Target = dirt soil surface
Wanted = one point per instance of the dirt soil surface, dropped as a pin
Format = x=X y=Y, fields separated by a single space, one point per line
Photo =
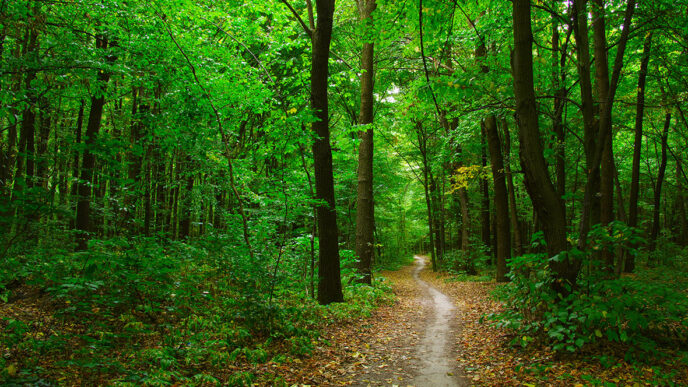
x=411 y=343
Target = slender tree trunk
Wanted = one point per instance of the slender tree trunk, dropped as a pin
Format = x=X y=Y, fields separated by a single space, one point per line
x=513 y=212
x=436 y=218
x=77 y=143
x=465 y=219
x=485 y=196
x=604 y=129
x=422 y=146
x=148 y=193
x=27 y=134
x=629 y=265
x=442 y=217
x=620 y=207
x=558 y=78
x=83 y=218
x=654 y=233
x=186 y=211
x=501 y=200
x=135 y=161
x=329 y=281
x=546 y=201
x=607 y=163
x=502 y=234
x=580 y=24
x=681 y=206
x=365 y=208
x=42 y=159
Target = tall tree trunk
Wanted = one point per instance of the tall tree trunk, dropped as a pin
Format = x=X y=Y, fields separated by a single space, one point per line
x=501 y=201
x=580 y=28
x=83 y=207
x=42 y=163
x=546 y=201
x=329 y=280
x=607 y=162
x=436 y=218
x=442 y=218
x=502 y=234
x=603 y=139
x=77 y=143
x=517 y=242
x=27 y=134
x=134 y=161
x=485 y=196
x=558 y=78
x=629 y=265
x=186 y=204
x=681 y=206
x=365 y=207
x=654 y=233
x=465 y=219
x=422 y=146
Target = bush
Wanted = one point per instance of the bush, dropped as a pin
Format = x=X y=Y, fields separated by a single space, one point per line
x=465 y=262
x=635 y=311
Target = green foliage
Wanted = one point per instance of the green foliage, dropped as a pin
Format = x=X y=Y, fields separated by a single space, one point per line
x=638 y=312
x=461 y=261
x=159 y=311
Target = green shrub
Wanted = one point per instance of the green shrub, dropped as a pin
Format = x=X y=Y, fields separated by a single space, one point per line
x=633 y=311
x=462 y=261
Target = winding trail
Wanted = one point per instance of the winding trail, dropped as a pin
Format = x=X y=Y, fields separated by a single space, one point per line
x=435 y=349
x=415 y=343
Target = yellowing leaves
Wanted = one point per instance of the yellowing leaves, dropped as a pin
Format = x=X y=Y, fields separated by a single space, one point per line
x=463 y=176
x=11 y=370
x=291 y=111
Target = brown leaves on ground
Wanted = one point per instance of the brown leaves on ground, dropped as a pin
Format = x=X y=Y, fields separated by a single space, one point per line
x=489 y=360
x=376 y=351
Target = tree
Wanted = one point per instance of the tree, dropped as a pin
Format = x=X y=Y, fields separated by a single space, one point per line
x=95 y=116
x=365 y=205
x=629 y=264
x=547 y=203
x=329 y=280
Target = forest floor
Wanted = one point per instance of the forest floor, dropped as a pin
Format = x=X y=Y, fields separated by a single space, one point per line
x=435 y=335
x=410 y=343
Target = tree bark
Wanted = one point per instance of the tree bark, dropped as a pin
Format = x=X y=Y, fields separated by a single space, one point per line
x=187 y=199
x=607 y=162
x=329 y=280
x=485 y=196
x=437 y=218
x=465 y=219
x=422 y=146
x=503 y=233
x=548 y=205
x=603 y=137
x=580 y=28
x=517 y=242
x=83 y=223
x=629 y=265
x=365 y=205
x=654 y=233
x=558 y=78
x=681 y=206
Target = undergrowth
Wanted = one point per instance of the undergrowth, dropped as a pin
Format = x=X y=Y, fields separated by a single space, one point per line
x=644 y=314
x=151 y=312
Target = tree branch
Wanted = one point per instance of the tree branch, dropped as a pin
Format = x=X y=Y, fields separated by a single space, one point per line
x=308 y=31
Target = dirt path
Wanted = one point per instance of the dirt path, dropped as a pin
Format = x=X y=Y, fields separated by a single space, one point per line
x=413 y=342
x=436 y=349
x=417 y=344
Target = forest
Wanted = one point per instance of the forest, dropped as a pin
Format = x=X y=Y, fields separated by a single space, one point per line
x=246 y=192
